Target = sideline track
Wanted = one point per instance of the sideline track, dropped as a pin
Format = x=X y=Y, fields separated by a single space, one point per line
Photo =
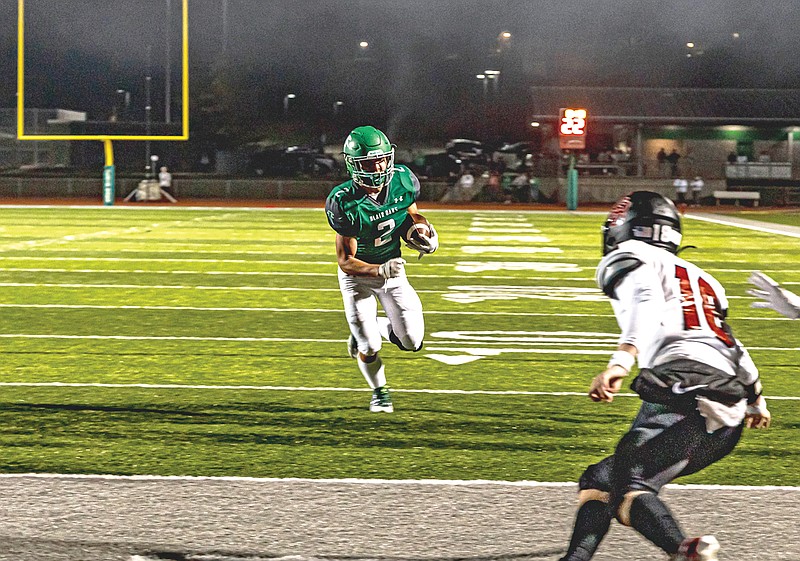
x=141 y=518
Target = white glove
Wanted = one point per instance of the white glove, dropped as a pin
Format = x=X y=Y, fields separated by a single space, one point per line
x=775 y=297
x=425 y=244
x=757 y=415
x=392 y=268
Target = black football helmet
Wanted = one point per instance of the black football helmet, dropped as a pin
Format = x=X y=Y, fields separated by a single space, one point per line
x=645 y=216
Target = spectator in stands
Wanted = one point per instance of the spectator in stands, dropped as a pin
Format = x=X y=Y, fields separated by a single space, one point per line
x=763 y=157
x=463 y=190
x=620 y=158
x=522 y=188
x=697 y=190
x=732 y=157
x=681 y=188
x=672 y=159
x=165 y=182
x=494 y=191
x=662 y=162
x=604 y=157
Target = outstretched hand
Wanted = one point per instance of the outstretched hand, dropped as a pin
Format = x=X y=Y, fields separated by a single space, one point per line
x=757 y=415
x=607 y=383
x=774 y=297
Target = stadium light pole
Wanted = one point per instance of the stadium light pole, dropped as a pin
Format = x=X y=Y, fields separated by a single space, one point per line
x=147 y=121
x=147 y=109
x=168 y=67
x=224 y=30
x=336 y=105
x=126 y=103
x=494 y=76
x=286 y=99
x=485 y=80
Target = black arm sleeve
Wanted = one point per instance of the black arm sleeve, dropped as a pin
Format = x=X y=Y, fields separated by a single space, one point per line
x=753 y=391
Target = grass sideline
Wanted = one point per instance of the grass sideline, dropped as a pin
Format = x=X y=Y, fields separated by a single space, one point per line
x=228 y=297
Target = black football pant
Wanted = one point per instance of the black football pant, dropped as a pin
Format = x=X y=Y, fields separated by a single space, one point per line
x=664 y=442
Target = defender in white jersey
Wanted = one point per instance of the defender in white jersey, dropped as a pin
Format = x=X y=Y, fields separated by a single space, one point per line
x=698 y=385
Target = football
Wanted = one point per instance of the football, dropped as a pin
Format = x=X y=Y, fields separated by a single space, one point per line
x=410 y=230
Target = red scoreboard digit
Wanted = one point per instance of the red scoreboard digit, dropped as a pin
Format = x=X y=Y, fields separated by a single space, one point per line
x=572 y=129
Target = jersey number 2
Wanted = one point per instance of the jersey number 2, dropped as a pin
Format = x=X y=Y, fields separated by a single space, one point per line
x=387 y=236
x=710 y=305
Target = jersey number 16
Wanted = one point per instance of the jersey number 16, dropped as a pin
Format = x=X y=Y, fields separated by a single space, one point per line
x=710 y=305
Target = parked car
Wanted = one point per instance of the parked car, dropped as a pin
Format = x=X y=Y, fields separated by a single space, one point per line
x=438 y=165
x=291 y=161
x=465 y=149
x=516 y=155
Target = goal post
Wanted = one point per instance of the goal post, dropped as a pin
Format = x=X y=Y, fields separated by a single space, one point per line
x=106 y=139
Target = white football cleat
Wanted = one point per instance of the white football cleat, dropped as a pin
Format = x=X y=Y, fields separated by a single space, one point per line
x=704 y=548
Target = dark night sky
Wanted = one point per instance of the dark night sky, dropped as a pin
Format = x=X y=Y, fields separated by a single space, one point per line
x=422 y=52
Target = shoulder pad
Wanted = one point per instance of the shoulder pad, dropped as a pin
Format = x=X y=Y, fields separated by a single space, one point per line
x=339 y=217
x=408 y=179
x=613 y=268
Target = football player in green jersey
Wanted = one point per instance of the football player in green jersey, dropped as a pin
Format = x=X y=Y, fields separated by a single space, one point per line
x=368 y=214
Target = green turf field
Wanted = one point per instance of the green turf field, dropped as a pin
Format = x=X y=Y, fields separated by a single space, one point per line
x=790 y=218
x=212 y=342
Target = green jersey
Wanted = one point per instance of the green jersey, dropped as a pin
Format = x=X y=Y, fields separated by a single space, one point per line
x=374 y=221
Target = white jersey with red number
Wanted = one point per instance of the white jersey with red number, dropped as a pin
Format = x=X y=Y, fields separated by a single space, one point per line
x=671 y=309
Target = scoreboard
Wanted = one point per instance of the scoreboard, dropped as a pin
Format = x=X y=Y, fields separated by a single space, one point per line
x=572 y=129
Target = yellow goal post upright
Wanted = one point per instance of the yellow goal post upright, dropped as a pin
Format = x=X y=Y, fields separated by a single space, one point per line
x=106 y=139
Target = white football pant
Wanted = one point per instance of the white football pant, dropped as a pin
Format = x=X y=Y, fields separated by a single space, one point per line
x=398 y=299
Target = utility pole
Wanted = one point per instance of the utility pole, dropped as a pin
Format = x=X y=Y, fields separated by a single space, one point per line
x=147 y=110
x=168 y=66
x=225 y=30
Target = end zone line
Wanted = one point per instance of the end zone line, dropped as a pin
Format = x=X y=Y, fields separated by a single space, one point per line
x=323 y=310
x=778 y=229
x=315 y=389
x=357 y=481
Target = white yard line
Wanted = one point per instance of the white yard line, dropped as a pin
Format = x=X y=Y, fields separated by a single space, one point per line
x=263 y=273
x=323 y=311
x=106 y=233
x=433 y=344
x=508 y=292
x=763 y=227
x=289 y=310
x=358 y=481
x=476 y=211
x=173 y=287
x=313 y=389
